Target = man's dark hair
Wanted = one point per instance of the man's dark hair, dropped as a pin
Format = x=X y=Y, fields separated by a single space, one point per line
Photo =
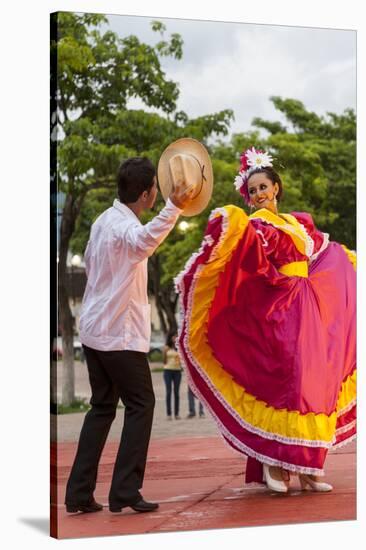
x=135 y=176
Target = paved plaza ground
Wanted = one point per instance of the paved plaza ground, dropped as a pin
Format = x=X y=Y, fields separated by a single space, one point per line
x=197 y=480
x=69 y=425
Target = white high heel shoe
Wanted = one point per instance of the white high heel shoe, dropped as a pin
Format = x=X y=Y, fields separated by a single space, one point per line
x=273 y=484
x=317 y=486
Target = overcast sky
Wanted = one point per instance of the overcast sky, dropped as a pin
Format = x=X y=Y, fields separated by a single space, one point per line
x=239 y=66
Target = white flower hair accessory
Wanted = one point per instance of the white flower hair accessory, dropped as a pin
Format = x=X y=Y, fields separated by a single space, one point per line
x=258 y=159
x=251 y=160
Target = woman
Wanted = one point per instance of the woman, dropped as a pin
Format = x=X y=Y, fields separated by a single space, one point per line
x=172 y=375
x=268 y=332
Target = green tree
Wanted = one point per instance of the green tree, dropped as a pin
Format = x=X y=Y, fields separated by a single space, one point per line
x=148 y=134
x=305 y=147
x=96 y=75
x=92 y=131
x=315 y=157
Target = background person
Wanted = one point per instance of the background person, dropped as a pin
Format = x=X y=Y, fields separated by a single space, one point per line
x=192 y=405
x=172 y=376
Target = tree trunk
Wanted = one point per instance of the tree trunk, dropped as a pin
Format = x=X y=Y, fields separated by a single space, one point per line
x=169 y=302
x=154 y=288
x=69 y=215
x=165 y=297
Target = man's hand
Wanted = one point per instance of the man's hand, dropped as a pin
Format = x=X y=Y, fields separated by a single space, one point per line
x=181 y=194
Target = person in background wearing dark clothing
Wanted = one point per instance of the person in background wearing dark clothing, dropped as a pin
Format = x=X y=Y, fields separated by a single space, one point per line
x=192 y=405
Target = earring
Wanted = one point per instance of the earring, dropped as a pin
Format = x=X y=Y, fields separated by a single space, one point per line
x=275 y=200
x=251 y=206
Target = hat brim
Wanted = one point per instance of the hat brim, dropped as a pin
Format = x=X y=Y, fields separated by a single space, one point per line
x=187 y=146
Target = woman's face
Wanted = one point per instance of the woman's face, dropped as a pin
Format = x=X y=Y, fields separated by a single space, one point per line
x=262 y=192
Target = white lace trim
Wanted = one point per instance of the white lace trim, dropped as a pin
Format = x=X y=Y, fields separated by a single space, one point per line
x=266 y=459
x=346 y=428
x=258 y=431
x=214 y=213
x=345 y=442
x=267 y=435
x=207 y=241
x=240 y=447
x=324 y=245
x=220 y=210
x=225 y=226
x=179 y=278
x=309 y=243
x=264 y=241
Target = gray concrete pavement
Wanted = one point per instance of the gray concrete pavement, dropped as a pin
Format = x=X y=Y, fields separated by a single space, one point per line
x=69 y=425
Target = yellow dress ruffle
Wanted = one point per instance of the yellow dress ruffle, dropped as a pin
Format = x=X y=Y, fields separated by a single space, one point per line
x=291 y=426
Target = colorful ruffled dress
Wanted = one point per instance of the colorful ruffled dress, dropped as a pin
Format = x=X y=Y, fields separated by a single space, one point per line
x=268 y=337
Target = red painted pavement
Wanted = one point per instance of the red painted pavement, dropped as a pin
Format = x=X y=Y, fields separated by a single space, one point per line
x=199 y=484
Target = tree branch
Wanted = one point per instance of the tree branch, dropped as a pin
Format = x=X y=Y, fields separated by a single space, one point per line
x=108 y=183
x=63 y=106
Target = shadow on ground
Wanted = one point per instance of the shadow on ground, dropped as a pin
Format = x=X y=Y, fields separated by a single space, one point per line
x=40 y=524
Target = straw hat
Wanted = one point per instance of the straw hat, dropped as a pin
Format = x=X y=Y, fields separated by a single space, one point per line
x=187 y=160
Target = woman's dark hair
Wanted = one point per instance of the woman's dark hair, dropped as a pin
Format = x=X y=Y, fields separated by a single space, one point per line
x=169 y=339
x=135 y=176
x=272 y=175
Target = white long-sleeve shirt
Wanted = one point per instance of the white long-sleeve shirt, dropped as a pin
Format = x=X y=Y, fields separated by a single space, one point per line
x=115 y=313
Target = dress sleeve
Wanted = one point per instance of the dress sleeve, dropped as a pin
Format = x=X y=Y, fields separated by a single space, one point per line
x=319 y=238
x=268 y=236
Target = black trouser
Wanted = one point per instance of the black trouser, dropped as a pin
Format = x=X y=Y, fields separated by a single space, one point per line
x=172 y=377
x=114 y=375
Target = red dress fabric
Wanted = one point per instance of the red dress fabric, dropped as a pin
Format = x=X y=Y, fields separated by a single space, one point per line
x=288 y=340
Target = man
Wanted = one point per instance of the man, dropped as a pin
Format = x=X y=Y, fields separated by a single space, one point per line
x=115 y=333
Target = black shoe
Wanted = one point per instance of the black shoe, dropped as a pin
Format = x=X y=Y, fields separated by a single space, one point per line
x=190 y=415
x=86 y=508
x=140 y=506
x=143 y=506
